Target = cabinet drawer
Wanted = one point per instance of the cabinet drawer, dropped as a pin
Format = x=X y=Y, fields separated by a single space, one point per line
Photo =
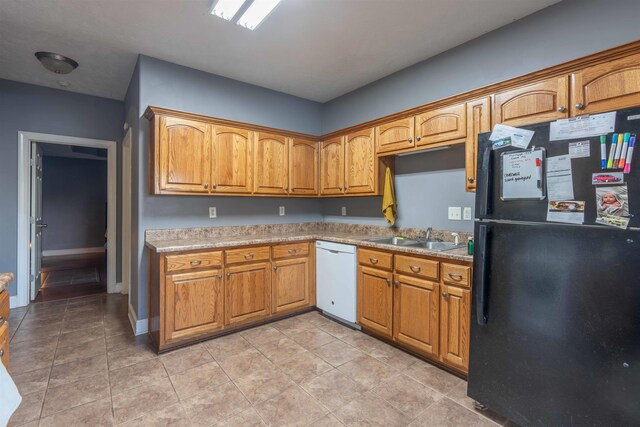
x=456 y=274
x=4 y=343
x=417 y=266
x=293 y=249
x=4 y=304
x=236 y=256
x=192 y=261
x=376 y=259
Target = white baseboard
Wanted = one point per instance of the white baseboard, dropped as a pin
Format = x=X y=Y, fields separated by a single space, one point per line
x=139 y=326
x=14 y=302
x=118 y=288
x=73 y=251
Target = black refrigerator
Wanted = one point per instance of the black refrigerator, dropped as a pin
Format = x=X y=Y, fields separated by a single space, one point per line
x=555 y=326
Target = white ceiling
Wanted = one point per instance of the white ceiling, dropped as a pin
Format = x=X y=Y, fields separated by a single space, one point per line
x=315 y=49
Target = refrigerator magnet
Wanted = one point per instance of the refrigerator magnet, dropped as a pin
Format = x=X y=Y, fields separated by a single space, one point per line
x=605 y=178
x=612 y=206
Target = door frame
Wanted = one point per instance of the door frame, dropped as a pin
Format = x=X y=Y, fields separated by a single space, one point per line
x=24 y=197
x=126 y=213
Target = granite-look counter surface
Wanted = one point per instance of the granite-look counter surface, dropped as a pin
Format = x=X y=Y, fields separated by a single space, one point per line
x=5 y=279
x=190 y=240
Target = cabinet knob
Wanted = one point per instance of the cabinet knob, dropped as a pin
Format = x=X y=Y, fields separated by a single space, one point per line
x=340 y=188
x=444 y=294
x=471 y=179
x=561 y=109
x=410 y=140
x=215 y=185
x=418 y=138
x=275 y=267
x=396 y=283
x=388 y=281
x=1 y=352
x=206 y=186
x=219 y=276
x=580 y=106
x=228 y=274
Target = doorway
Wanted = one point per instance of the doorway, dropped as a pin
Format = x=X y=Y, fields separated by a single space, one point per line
x=33 y=229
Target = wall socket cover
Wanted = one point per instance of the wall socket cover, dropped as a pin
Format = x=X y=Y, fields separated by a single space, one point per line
x=344 y=211
x=212 y=212
x=455 y=213
x=281 y=211
x=466 y=213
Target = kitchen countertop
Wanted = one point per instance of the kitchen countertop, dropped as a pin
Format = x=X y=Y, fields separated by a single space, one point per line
x=220 y=242
x=5 y=279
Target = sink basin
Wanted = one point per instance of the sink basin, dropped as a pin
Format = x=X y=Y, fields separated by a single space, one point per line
x=437 y=246
x=398 y=241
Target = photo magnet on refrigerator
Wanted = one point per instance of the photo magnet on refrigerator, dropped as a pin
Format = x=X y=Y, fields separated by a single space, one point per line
x=607 y=178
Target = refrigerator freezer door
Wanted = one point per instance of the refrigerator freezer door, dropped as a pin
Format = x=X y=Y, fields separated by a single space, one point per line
x=557 y=341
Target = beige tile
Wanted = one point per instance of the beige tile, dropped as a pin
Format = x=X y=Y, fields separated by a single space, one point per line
x=36 y=334
x=82 y=336
x=263 y=384
x=336 y=329
x=292 y=324
x=172 y=415
x=261 y=334
x=360 y=341
x=76 y=324
x=312 y=338
x=181 y=360
x=367 y=371
x=30 y=324
x=32 y=382
x=30 y=360
x=247 y=418
x=117 y=327
x=129 y=356
x=96 y=414
x=147 y=398
x=215 y=404
x=29 y=409
x=75 y=394
x=281 y=349
x=370 y=410
x=459 y=395
x=333 y=389
x=244 y=363
x=293 y=407
x=327 y=421
x=391 y=356
x=44 y=344
x=230 y=345
x=77 y=370
x=317 y=319
x=304 y=365
x=137 y=375
x=118 y=342
x=433 y=377
x=406 y=395
x=80 y=351
x=446 y=412
x=337 y=352
x=196 y=380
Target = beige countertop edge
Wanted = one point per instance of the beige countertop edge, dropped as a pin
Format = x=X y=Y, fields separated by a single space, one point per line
x=165 y=246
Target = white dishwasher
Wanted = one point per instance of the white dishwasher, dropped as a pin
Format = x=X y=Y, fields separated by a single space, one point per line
x=336 y=280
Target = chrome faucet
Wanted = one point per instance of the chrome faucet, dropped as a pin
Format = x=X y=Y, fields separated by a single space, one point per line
x=456 y=238
x=428 y=235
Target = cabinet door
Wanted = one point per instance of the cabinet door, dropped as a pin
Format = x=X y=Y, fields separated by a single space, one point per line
x=604 y=87
x=539 y=102
x=416 y=314
x=184 y=152
x=360 y=161
x=443 y=124
x=193 y=304
x=271 y=164
x=455 y=309
x=303 y=167
x=247 y=292
x=375 y=300
x=4 y=343
x=396 y=135
x=232 y=160
x=290 y=284
x=478 y=121
x=332 y=166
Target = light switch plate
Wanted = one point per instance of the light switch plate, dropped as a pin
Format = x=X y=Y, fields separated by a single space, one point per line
x=344 y=211
x=466 y=213
x=212 y=212
x=455 y=213
x=281 y=212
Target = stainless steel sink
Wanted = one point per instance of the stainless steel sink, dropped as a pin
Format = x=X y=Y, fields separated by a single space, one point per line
x=397 y=241
x=437 y=246
x=433 y=245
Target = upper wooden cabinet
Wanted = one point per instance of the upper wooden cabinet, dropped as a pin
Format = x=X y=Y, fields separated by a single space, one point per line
x=443 y=124
x=232 y=160
x=271 y=164
x=360 y=162
x=182 y=156
x=396 y=135
x=608 y=86
x=332 y=166
x=538 y=102
x=478 y=121
x=303 y=167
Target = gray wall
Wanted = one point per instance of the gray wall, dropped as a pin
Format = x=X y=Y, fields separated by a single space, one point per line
x=74 y=202
x=32 y=108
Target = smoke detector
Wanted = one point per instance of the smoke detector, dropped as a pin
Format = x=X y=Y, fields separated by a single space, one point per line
x=56 y=63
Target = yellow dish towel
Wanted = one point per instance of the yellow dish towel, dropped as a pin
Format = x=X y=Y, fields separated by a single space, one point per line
x=389 y=199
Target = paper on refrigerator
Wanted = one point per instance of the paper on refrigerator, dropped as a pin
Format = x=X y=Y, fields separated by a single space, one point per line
x=559 y=178
x=519 y=137
x=582 y=126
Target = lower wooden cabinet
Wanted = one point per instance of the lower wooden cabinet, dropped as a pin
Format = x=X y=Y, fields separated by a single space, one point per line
x=290 y=284
x=4 y=328
x=375 y=300
x=455 y=317
x=247 y=292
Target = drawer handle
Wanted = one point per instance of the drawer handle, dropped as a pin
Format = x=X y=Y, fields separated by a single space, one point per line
x=249 y=255
x=415 y=268
x=456 y=277
x=292 y=251
x=373 y=260
x=196 y=262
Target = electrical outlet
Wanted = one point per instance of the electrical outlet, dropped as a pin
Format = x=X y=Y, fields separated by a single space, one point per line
x=212 y=212
x=344 y=211
x=466 y=213
x=455 y=213
x=281 y=212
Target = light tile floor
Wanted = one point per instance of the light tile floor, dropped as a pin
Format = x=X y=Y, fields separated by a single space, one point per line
x=76 y=362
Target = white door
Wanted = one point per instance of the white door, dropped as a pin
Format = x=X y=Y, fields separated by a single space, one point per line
x=36 y=220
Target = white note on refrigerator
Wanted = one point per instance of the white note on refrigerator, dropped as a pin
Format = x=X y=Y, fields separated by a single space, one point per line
x=582 y=126
x=519 y=137
x=559 y=178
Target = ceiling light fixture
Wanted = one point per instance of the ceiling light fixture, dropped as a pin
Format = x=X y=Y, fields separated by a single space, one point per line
x=56 y=63
x=226 y=9
x=256 y=13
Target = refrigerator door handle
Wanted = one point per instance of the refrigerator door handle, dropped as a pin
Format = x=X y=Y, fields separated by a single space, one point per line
x=485 y=187
x=480 y=281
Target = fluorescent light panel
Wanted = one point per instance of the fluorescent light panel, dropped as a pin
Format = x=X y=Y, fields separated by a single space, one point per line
x=226 y=9
x=256 y=13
